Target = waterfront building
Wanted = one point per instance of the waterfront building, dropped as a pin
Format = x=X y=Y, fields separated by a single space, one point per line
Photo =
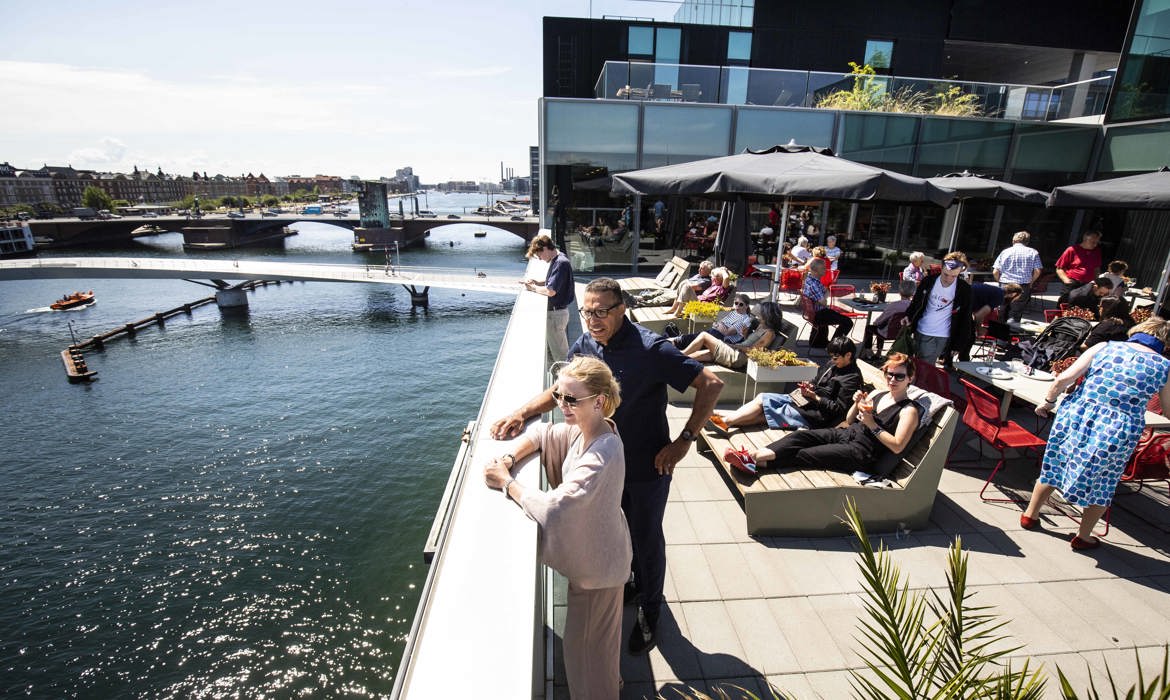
x=622 y=94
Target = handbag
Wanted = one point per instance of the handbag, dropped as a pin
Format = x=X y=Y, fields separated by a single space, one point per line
x=904 y=343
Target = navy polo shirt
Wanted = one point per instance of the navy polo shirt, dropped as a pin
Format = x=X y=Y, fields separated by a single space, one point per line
x=985 y=295
x=560 y=281
x=644 y=364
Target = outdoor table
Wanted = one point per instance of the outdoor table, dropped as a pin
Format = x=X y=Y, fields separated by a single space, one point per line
x=866 y=307
x=1031 y=389
x=1138 y=295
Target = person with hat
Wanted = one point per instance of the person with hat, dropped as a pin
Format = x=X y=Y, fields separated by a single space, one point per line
x=940 y=312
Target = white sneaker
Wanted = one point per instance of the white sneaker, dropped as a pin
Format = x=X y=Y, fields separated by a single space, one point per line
x=1013 y=323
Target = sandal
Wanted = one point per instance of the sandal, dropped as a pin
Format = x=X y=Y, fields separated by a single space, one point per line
x=717 y=425
x=741 y=459
x=1080 y=545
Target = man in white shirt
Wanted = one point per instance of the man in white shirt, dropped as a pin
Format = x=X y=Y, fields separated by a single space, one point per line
x=1020 y=265
x=800 y=251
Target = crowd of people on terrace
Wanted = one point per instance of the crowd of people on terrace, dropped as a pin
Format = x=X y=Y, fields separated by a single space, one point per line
x=609 y=465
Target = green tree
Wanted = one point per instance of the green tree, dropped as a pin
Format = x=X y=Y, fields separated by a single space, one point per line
x=96 y=198
x=271 y=201
x=227 y=201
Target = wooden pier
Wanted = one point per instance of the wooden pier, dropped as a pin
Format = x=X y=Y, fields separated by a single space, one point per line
x=75 y=368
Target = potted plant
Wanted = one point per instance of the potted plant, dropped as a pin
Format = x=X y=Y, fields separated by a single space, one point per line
x=702 y=311
x=779 y=366
x=879 y=290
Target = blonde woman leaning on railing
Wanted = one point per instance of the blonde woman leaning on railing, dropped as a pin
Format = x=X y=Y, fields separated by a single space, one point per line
x=583 y=530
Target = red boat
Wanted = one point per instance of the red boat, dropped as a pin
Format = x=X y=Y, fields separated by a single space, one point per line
x=72 y=301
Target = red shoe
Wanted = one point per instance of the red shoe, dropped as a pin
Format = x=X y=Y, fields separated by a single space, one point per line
x=741 y=459
x=1029 y=523
x=718 y=426
x=1081 y=545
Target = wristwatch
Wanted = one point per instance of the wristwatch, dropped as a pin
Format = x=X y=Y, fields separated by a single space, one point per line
x=687 y=435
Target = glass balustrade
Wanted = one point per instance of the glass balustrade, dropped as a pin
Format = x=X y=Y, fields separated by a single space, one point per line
x=736 y=85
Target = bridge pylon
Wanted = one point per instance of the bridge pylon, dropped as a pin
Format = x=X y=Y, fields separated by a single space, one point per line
x=418 y=299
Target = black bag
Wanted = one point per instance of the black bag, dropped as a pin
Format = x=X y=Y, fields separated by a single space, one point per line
x=904 y=343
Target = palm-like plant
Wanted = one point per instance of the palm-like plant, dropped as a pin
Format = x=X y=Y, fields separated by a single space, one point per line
x=930 y=647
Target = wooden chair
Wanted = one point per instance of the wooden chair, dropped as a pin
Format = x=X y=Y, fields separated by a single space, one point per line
x=982 y=418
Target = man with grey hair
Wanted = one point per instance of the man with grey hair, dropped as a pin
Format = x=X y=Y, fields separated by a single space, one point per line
x=1020 y=265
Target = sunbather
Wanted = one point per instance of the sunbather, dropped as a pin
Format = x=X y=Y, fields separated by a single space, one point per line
x=708 y=348
x=822 y=403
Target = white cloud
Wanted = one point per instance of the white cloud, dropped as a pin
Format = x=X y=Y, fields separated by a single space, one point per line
x=109 y=152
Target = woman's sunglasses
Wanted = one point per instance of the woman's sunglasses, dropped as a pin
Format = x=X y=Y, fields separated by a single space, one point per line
x=569 y=400
x=892 y=376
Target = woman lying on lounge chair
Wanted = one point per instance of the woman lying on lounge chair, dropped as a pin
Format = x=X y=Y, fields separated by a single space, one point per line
x=821 y=404
x=708 y=348
x=885 y=422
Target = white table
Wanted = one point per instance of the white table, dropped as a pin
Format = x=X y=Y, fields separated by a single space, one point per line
x=1028 y=389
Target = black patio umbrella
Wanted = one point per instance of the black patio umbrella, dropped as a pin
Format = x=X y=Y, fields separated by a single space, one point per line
x=1146 y=191
x=782 y=172
x=969 y=185
x=735 y=236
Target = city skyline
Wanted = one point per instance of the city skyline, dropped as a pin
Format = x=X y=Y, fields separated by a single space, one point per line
x=448 y=89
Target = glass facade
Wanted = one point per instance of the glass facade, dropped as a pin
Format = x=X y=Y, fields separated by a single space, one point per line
x=885 y=140
x=591 y=132
x=1142 y=90
x=735 y=13
x=879 y=55
x=758 y=129
x=681 y=133
x=1135 y=149
x=954 y=145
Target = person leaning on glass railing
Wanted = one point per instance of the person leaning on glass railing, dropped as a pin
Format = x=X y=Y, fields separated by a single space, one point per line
x=583 y=530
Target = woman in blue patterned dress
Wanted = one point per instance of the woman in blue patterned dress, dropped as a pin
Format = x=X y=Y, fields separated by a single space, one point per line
x=1098 y=425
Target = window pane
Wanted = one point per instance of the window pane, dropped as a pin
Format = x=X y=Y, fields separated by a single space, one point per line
x=1143 y=85
x=951 y=145
x=667 y=48
x=678 y=133
x=1057 y=149
x=758 y=129
x=641 y=41
x=881 y=140
x=879 y=55
x=739 y=46
x=1136 y=149
x=591 y=132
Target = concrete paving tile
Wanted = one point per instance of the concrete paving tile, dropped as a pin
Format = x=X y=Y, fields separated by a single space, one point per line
x=770 y=570
x=642 y=690
x=1074 y=666
x=675 y=657
x=688 y=485
x=1124 y=666
x=690 y=573
x=949 y=517
x=806 y=633
x=830 y=686
x=1142 y=595
x=669 y=592
x=1022 y=625
x=808 y=570
x=840 y=615
x=765 y=646
x=1061 y=614
x=790 y=686
x=729 y=569
x=995 y=558
x=676 y=524
x=709 y=525
x=1047 y=556
x=716 y=644
x=1110 y=626
x=837 y=554
x=956 y=481
x=924 y=562
x=736 y=688
x=735 y=519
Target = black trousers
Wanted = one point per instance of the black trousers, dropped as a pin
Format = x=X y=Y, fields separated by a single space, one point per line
x=644 y=503
x=1014 y=310
x=826 y=448
x=821 y=322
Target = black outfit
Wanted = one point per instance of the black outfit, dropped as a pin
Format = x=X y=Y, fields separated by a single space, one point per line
x=824 y=318
x=1108 y=329
x=839 y=449
x=962 y=325
x=834 y=388
x=1084 y=297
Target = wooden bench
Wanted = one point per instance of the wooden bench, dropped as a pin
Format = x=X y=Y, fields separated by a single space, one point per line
x=673 y=272
x=811 y=502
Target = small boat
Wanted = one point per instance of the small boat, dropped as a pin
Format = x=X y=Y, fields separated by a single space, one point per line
x=76 y=370
x=480 y=234
x=72 y=301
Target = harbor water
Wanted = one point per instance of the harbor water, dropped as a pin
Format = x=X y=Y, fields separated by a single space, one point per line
x=237 y=508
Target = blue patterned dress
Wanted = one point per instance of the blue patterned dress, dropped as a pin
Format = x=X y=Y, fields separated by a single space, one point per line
x=1098 y=426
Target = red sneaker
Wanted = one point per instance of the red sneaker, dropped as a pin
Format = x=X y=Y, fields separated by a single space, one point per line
x=741 y=459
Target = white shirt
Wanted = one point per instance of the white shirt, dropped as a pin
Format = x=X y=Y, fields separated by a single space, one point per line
x=833 y=253
x=801 y=253
x=936 y=319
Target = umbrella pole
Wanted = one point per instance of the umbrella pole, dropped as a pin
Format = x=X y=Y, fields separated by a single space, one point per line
x=1162 y=284
x=955 y=226
x=780 y=236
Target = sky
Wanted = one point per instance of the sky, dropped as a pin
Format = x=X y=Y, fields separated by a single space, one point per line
x=448 y=87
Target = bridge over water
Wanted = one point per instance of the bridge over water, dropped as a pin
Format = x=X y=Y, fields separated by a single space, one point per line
x=417 y=280
x=252 y=229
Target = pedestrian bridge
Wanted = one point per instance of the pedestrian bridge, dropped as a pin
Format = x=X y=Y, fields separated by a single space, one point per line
x=244 y=270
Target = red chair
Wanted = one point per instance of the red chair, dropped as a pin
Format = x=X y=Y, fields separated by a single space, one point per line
x=982 y=418
x=935 y=269
x=791 y=281
x=1051 y=315
x=987 y=342
x=896 y=323
x=1150 y=461
x=808 y=312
